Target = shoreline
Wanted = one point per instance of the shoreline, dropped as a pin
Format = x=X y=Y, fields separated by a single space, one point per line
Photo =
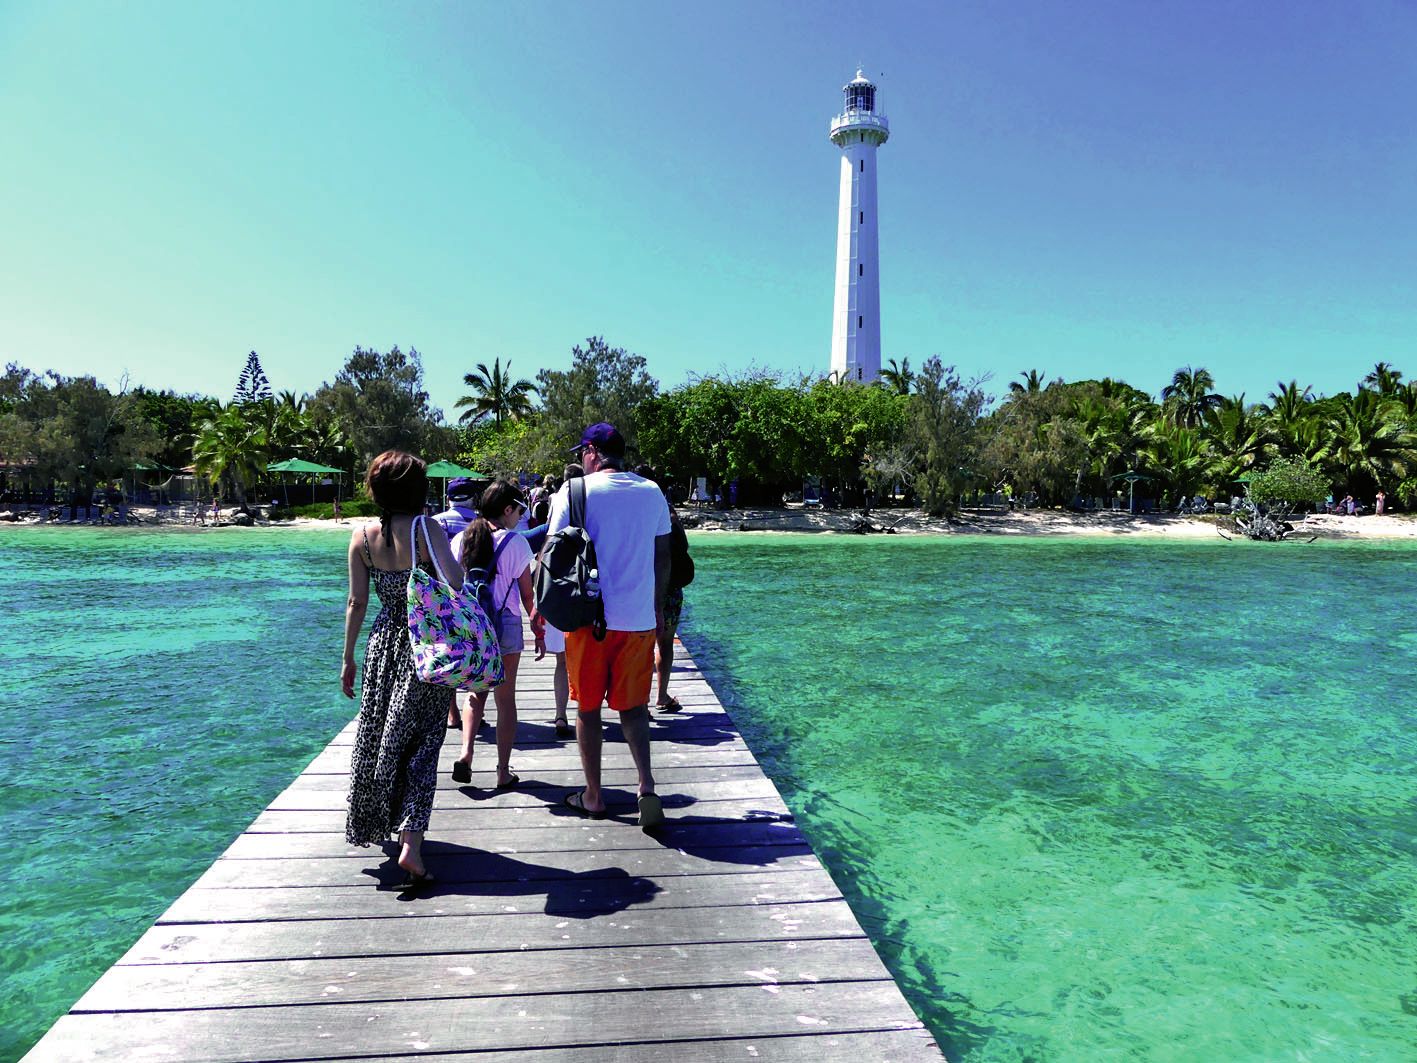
x=1015 y=523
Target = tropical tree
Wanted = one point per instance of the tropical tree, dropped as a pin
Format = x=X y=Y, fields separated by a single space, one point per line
x=1239 y=437
x=898 y=377
x=1370 y=443
x=1189 y=397
x=252 y=385
x=378 y=402
x=944 y=431
x=231 y=448
x=494 y=394
x=1287 y=404
x=604 y=383
x=1383 y=379
x=1178 y=457
x=1029 y=382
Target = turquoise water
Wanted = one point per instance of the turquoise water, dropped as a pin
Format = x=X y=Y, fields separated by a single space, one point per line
x=1094 y=800
x=1098 y=800
x=157 y=689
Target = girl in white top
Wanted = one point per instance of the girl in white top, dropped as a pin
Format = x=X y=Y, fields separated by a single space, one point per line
x=488 y=541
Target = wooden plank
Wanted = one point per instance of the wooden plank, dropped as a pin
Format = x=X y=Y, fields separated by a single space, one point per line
x=220 y=942
x=547 y=937
x=876 y=1046
x=578 y=895
x=563 y=775
x=536 y=792
x=692 y=832
x=288 y=982
x=544 y=809
x=453 y=868
x=333 y=1031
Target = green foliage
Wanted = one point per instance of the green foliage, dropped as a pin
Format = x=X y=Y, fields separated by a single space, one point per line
x=350 y=507
x=507 y=448
x=943 y=432
x=1287 y=481
x=71 y=429
x=494 y=394
x=604 y=383
x=232 y=449
x=377 y=402
x=252 y=385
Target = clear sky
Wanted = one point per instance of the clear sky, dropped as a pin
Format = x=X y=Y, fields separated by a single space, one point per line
x=1083 y=188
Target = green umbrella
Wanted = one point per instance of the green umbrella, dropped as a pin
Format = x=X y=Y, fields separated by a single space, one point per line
x=299 y=465
x=1243 y=478
x=442 y=470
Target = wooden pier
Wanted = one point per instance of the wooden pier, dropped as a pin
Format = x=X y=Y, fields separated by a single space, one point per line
x=547 y=937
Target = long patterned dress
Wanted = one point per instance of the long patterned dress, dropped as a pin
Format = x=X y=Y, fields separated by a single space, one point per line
x=401 y=727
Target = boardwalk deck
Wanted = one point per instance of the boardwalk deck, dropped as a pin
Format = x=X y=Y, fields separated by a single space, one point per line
x=548 y=938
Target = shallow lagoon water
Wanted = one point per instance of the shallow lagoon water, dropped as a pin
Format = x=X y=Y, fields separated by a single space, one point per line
x=1092 y=799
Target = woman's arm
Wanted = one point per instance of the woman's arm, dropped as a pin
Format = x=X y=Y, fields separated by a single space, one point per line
x=354 y=610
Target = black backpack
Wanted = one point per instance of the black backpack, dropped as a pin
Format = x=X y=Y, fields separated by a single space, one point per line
x=681 y=565
x=567 y=580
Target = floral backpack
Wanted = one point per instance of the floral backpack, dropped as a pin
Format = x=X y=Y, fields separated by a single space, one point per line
x=454 y=640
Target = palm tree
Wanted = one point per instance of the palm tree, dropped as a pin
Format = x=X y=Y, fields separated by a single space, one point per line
x=1033 y=381
x=1190 y=396
x=1240 y=437
x=1384 y=379
x=898 y=378
x=1370 y=440
x=1179 y=455
x=1288 y=404
x=231 y=446
x=495 y=394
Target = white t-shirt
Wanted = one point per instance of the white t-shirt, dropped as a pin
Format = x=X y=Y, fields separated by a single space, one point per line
x=624 y=515
x=514 y=559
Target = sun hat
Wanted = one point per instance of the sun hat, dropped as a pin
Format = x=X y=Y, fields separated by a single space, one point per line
x=606 y=438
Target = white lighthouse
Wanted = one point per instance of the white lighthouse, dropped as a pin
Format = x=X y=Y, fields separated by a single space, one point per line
x=856 y=311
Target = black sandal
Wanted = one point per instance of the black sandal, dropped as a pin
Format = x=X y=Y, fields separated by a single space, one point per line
x=564 y=728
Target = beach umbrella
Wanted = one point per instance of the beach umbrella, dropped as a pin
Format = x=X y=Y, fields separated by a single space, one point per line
x=1243 y=478
x=1131 y=476
x=300 y=465
x=446 y=470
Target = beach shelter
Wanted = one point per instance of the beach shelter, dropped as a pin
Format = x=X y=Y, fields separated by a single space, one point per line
x=1131 y=476
x=308 y=468
x=446 y=470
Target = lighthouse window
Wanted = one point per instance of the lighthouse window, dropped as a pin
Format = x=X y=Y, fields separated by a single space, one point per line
x=861 y=216
x=860 y=269
x=863 y=165
x=858 y=320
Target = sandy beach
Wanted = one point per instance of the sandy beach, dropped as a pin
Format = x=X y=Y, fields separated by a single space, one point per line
x=1034 y=522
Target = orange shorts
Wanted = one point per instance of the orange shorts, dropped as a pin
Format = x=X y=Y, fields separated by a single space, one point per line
x=617 y=671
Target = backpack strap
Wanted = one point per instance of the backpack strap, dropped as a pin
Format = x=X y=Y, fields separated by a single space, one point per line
x=577 y=495
x=495 y=554
x=413 y=545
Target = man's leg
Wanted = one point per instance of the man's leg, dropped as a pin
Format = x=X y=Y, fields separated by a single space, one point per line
x=635 y=723
x=589 y=738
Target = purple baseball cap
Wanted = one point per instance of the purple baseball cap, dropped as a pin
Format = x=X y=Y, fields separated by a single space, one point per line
x=606 y=438
x=460 y=487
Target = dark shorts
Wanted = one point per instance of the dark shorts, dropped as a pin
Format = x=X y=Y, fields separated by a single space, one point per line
x=673 y=606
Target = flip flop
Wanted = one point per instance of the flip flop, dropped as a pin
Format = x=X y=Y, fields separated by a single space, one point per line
x=576 y=803
x=513 y=781
x=672 y=705
x=564 y=729
x=416 y=883
x=651 y=812
x=462 y=772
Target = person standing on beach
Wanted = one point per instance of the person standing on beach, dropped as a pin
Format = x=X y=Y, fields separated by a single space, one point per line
x=1380 y=503
x=394 y=768
x=490 y=544
x=628 y=521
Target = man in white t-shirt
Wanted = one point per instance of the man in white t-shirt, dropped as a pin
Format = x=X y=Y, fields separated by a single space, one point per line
x=628 y=520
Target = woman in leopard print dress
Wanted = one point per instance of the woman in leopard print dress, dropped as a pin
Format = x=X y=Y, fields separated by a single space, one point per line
x=394 y=771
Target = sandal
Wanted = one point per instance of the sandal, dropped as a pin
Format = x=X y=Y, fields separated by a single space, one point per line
x=575 y=801
x=672 y=705
x=513 y=780
x=462 y=772
x=564 y=728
